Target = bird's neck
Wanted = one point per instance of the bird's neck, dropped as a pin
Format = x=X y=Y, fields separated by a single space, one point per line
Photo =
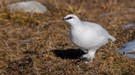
x=76 y=24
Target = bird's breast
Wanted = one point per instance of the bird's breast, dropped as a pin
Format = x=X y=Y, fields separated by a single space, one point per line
x=87 y=39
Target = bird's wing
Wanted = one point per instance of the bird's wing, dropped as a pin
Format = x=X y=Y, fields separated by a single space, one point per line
x=97 y=27
x=100 y=29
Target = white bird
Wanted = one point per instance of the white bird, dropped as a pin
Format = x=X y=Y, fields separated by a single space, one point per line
x=87 y=35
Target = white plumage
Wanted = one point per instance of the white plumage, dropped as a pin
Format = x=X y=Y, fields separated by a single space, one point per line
x=87 y=35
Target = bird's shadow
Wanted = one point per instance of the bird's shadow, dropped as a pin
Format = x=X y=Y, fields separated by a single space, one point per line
x=69 y=53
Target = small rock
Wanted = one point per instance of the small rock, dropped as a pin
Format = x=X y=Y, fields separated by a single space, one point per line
x=128 y=47
x=28 y=6
x=26 y=40
x=130 y=56
x=128 y=25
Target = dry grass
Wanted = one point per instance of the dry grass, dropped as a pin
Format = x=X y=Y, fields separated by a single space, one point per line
x=40 y=45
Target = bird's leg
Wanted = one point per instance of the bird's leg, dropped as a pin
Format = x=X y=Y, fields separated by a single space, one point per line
x=84 y=50
x=89 y=56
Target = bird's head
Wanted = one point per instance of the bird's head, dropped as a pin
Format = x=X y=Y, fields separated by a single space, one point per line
x=71 y=19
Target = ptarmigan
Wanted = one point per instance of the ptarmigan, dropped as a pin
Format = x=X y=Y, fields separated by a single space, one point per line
x=87 y=35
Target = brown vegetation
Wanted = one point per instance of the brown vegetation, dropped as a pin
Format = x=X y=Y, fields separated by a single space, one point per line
x=39 y=44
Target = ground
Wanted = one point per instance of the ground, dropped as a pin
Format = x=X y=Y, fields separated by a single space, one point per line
x=39 y=44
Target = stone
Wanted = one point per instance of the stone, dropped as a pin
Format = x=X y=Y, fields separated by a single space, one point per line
x=28 y=6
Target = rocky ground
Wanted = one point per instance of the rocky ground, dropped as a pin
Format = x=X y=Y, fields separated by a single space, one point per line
x=39 y=44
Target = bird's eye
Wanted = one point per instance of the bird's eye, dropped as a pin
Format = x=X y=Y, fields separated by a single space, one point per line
x=69 y=18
